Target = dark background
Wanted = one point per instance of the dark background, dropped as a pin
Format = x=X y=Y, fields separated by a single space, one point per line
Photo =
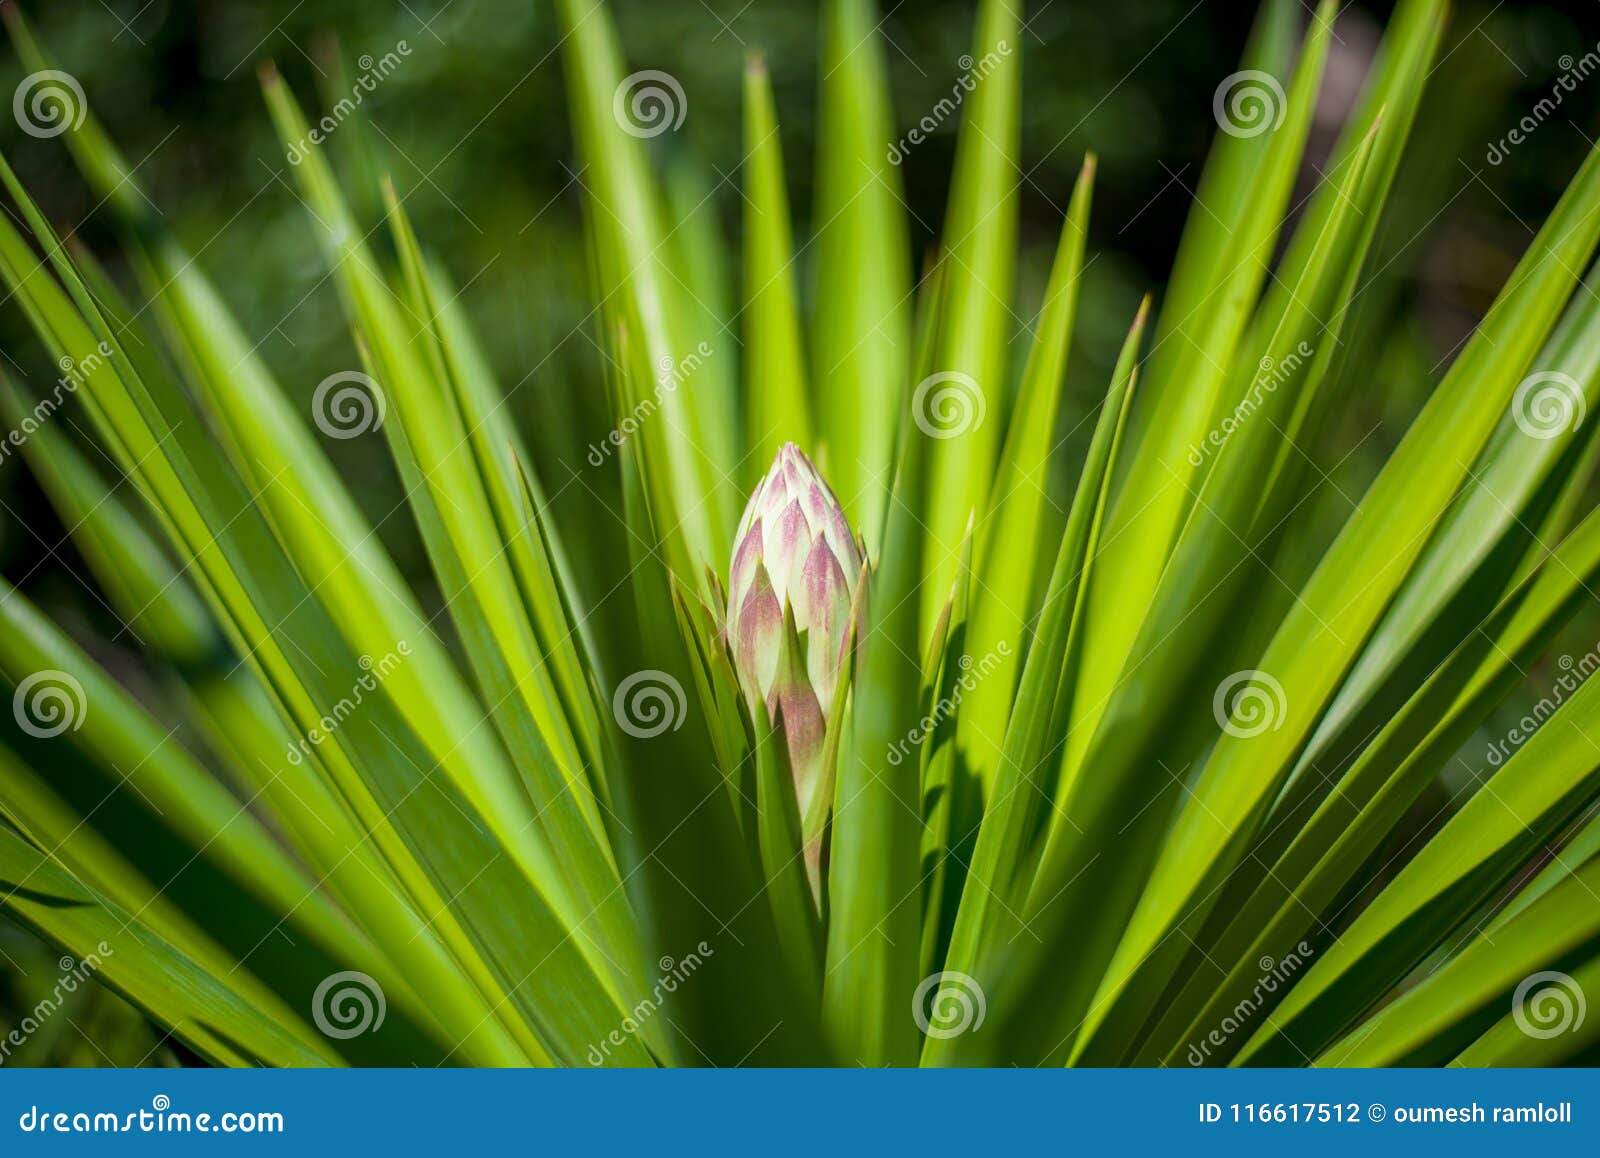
x=473 y=129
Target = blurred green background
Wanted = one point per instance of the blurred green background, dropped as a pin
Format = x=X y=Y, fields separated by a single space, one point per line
x=472 y=128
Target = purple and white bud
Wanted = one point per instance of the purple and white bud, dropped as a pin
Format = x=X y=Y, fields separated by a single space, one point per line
x=793 y=550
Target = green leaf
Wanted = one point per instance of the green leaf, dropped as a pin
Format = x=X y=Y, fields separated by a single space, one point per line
x=538 y=556
x=148 y=594
x=691 y=873
x=701 y=304
x=309 y=510
x=1336 y=610
x=777 y=406
x=448 y=490
x=988 y=920
x=948 y=796
x=374 y=755
x=636 y=287
x=875 y=879
x=861 y=329
x=979 y=238
x=1430 y=1023
x=1507 y=1043
x=1177 y=650
x=787 y=864
x=1299 y=888
x=1527 y=801
x=1013 y=513
x=177 y=994
x=1221 y=264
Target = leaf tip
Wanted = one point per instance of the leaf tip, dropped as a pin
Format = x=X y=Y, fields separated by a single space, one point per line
x=1144 y=311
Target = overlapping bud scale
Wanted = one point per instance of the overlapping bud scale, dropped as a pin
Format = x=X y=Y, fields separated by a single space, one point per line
x=793 y=552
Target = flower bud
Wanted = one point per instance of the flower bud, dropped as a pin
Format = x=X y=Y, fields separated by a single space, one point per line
x=793 y=552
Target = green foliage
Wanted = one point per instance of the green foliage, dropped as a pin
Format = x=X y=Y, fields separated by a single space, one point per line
x=1080 y=794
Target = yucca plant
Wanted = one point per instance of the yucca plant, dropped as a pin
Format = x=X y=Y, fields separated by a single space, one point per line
x=904 y=766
